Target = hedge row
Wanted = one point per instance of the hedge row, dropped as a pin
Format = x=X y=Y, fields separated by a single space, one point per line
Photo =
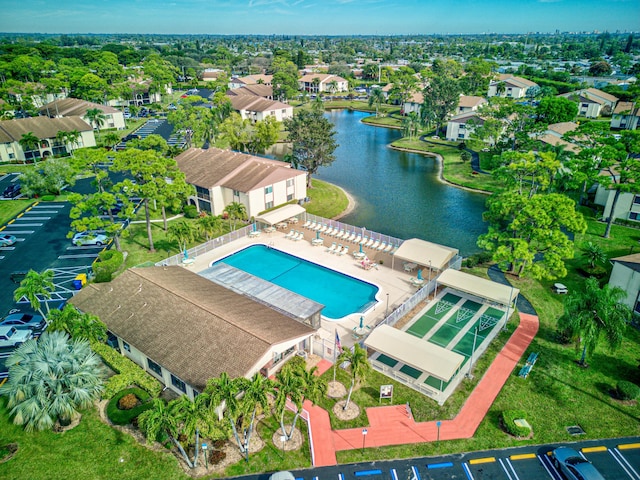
x=508 y=417
x=124 y=417
x=627 y=390
x=107 y=264
x=128 y=373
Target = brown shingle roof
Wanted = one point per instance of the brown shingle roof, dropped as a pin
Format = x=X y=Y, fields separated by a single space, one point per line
x=563 y=127
x=68 y=107
x=41 y=127
x=323 y=77
x=256 y=90
x=256 y=104
x=216 y=167
x=627 y=108
x=470 y=101
x=186 y=323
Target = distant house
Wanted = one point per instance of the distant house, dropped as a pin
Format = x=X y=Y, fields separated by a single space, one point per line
x=626 y=116
x=258 y=108
x=323 y=83
x=72 y=107
x=627 y=205
x=626 y=275
x=185 y=329
x=413 y=104
x=37 y=94
x=510 y=87
x=141 y=94
x=257 y=90
x=260 y=79
x=592 y=102
x=222 y=177
x=554 y=133
x=460 y=127
x=212 y=74
x=469 y=103
x=46 y=130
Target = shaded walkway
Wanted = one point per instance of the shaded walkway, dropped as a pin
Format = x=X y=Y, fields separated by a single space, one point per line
x=392 y=425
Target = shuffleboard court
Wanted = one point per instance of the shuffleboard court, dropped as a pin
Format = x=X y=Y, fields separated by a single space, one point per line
x=444 y=335
x=421 y=326
x=425 y=323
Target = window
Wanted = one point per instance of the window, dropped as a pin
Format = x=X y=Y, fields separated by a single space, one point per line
x=236 y=193
x=636 y=199
x=462 y=126
x=636 y=309
x=179 y=384
x=268 y=205
x=290 y=182
x=126 y=346
x=268 y=189
x=203 y=193
x=154 y=367
x=289 y=197
x=633 y=216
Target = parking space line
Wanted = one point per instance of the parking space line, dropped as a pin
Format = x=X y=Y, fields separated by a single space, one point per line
x=476 y=461
x=628 y=446
x=467 y=471
x=38 y=218
x=87 y=255
x=13 y=232
x=431 y=466
x=523 y=456
x=624 y=464
x=416 y=474
x=29 y=224
x=366 y=473
x=548 y=467
x=508 y=468
x=7 y=248
x=394 y=474
x=600 y=448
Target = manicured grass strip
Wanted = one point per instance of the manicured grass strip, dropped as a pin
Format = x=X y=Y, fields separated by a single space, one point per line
x=444 y=335
x=388 y=361
x=422 y=326
x=412 y=372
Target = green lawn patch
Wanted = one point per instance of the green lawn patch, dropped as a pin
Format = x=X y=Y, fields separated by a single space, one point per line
x=10 y=208
x=327 y=200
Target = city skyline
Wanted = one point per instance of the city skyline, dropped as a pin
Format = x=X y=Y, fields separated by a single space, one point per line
x=313 y=17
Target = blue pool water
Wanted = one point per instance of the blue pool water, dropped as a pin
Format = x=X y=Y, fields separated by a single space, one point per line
x=339 y=293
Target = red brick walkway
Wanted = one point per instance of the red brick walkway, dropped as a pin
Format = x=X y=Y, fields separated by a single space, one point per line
x=391 y=425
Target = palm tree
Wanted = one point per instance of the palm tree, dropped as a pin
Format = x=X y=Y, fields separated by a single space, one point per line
x=210 y=225
x=111 y=139
x=29 y=143
x=333 y=86
x=376 y=97
x=410 y=125
x=183 y=233
x=73 y=136
x=359 y=366
x=61 y=138
x=159 y=419
x=224 y=391
x=500 y=88
x=96 y=117
x=77 y=324
x=592 y=312
x=35 y=284
x=593 y=254
x=236 y=211
x=51 y=379
x=255 y=400
x=290 y=385
x=315 y=82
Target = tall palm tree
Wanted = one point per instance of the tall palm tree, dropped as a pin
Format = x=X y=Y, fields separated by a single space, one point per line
x=62 y=138
x=359 y=366
x=255 y=400
x=236 y=211
x=593 y=254
x=29 y=143
x=183 y=233
x=51 y=379
x=410 y=125
x=32 y=286
x=500 y=88
x=210 y=225
x=112 y=139
x=290 y=385
x=160 y=420
x=593 y=312
x=96 y=117
x=77 y=324
x=333 y=86
x=73 y=137
x=376 y=97
x=224 y=391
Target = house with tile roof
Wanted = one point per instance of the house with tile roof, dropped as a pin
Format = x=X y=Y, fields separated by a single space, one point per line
x=264 y=91
x=460 y=127
x=469 y=103
x=413 y=103
x=554 y=133
x=73 y=107
x=323 y=84
x=626 y=116
x=46 y=129
x=592 y=102
x=626 y=275
x=509 y=86
x=257 y=108
x=259 y=79
x=222 y=177
x=185 y=329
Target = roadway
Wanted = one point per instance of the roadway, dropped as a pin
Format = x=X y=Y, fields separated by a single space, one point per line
x=616 y=459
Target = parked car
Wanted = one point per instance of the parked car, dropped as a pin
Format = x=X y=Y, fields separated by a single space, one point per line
x=23 y=320
x=10 y=336
x=573 y=466
x=7 y=240
x=90 y=238
x=12 y=191
x=115 y=210
x=284 y=475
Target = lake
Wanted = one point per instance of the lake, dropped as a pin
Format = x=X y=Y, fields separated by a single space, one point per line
x=398 y=193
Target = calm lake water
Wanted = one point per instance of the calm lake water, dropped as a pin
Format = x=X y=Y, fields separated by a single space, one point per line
x=399 y=193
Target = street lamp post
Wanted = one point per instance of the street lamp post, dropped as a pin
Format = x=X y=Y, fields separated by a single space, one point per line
x=387 y=309
x=364 y=436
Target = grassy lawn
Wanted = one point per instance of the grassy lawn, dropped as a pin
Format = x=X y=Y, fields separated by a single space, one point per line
x=389 y=121
x=327 y=200
x=11 y=208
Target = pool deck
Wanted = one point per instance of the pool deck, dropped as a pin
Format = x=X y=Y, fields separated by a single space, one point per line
x=395 y=283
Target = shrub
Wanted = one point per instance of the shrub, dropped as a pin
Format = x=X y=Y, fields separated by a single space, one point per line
x=128 y=402
x=190 y=211
x=48 y=198
x=120 y=416
x=627 y=390
x=128 y=373
x=508 y=417
x=107 y=263
x=217 y=456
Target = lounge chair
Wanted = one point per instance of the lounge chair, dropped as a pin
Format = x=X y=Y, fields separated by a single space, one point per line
x=323 y=228
x=382 y=246
x=369 y=243
x=340 y=234
x=357 y=240
x=388 y=248
x=318 y=226
x=364 y=240
x=375 y=245
x=299 y=236
x=333 y=231
x=290 y=234
x=344 y=251
x=306 y=224
x=332 y=248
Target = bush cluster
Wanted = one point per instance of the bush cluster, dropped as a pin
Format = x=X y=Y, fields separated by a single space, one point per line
x=128 y=402
x=508 y=417
x=190 y=211
x=216 y=456
x=477 y=259
x=128 y=373
x=107 y=263
x=627 y=390
x=121 y=416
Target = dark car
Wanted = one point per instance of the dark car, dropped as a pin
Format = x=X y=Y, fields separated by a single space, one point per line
x=115 y=210
x=12 y=191
x=573 y=466
x=23 y=320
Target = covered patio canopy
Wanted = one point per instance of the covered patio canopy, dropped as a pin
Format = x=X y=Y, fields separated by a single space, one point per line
x=280 y=214
x=415 y=352
x=480 y=287
x=422 y=252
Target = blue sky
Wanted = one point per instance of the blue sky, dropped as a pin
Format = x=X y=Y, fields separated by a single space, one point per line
x=325 y=17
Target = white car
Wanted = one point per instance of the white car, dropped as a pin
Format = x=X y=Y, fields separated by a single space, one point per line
x=7 y=240
x=90 y=238
x=10 y=336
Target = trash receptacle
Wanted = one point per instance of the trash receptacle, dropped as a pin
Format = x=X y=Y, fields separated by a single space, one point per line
x=82 y=277
x=77 y=284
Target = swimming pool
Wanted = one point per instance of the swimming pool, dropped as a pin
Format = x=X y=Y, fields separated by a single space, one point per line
x=339 y=293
